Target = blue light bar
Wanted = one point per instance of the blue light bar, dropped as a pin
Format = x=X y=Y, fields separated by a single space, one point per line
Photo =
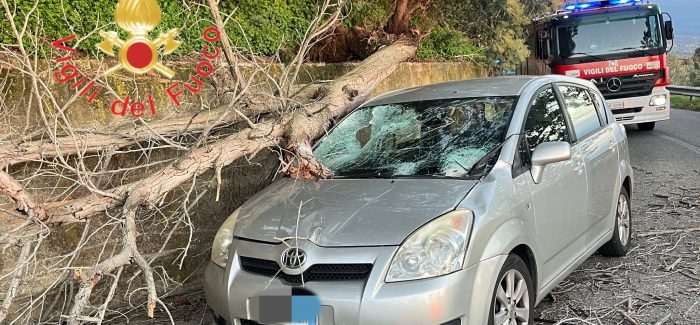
x=583 y=5
x=622 y=2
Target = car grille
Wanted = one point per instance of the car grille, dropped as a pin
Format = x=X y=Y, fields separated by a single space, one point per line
x=633 y=85
x=317 y=272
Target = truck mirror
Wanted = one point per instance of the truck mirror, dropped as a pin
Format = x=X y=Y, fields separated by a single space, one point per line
x=668 y=29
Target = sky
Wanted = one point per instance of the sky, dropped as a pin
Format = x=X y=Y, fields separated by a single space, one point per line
x=686 y=21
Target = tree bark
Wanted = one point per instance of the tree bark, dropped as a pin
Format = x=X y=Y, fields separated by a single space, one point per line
x=24 y=202
x=398 y=23
x=94 y=141
x=228 y=49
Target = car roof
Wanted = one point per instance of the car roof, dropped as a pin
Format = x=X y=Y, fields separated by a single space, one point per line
x=484 y=87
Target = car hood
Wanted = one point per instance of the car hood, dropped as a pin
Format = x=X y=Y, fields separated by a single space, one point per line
x=347 y=212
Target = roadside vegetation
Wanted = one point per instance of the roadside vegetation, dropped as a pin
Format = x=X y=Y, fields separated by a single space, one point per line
x=483 y=31
x=684 y=102
x=685 y=71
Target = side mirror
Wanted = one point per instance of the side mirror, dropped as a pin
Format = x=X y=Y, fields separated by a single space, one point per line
x=548 y=153
x=668 y=29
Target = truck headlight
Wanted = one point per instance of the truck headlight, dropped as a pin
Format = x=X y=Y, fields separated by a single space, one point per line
x=222 y=241
x=658 y=100
x=437 y=248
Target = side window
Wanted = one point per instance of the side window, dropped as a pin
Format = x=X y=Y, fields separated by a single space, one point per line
x=582 y=111
x=545 y=122
x=600 y=104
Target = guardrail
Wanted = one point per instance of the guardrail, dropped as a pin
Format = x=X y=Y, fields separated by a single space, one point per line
x=691 y=92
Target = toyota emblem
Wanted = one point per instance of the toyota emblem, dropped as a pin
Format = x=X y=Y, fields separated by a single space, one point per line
x=614 y=84
x=293 y=258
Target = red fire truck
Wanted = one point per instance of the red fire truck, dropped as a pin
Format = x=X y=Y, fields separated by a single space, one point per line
x=619 y=45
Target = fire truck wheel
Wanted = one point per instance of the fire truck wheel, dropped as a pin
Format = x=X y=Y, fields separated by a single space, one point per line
x=646 y=126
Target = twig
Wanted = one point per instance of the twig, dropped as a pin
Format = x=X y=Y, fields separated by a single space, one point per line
x=663 y=320
x=667 y=232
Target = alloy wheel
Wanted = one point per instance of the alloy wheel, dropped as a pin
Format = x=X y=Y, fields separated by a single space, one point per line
x=623 y=219
x=512 y=301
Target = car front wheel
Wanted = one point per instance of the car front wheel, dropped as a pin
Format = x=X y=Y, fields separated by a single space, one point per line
x=622 y=233
x=513 y=299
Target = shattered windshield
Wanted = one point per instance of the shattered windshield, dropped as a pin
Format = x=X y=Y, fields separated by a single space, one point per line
x=428 y=138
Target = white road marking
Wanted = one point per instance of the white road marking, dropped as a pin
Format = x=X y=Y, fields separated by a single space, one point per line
x=679 y=142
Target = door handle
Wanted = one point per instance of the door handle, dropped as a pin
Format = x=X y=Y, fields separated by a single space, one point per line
x=579 y=169
x=612 y=147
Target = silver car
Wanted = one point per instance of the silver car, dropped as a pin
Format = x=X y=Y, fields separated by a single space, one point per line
x=456 y=203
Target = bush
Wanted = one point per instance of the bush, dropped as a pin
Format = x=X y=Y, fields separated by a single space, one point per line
x=447 y=44
x=684 y=102
x=496 y=26
x=267 y=24
x=369 y=14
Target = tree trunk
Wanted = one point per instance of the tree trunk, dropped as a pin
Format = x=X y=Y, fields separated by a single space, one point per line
x=398 y=23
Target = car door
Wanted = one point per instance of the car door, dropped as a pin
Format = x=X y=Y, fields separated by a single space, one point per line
x=559 y=200
x=595 y=142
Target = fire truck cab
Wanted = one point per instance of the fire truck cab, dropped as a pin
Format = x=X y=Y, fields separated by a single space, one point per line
x=619 y=45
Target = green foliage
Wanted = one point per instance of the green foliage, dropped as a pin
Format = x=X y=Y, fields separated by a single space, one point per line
x=685 y=71
x=447 y=44
x=369 y=14
x=540 y=8
x=266 y=25
x=684 y=102
x=496 y=26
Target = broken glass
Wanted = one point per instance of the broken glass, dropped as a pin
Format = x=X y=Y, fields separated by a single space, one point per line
x=427 y=138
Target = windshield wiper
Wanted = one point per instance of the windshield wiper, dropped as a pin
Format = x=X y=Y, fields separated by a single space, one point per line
x=442 y=176
x=635 y=49
x=372 y=174
x=588 y=55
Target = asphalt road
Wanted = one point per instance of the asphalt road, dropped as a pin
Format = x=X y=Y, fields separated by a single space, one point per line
x=683 y=129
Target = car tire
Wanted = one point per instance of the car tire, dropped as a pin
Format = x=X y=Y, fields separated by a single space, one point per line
x=622 y=233
x=513 y=275
x=649 y=126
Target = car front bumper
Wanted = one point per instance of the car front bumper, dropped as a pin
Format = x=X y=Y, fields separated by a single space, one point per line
x=463 y=297
x=637 y=109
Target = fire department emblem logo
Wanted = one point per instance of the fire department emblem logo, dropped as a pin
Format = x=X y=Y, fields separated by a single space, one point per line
x=139 y=54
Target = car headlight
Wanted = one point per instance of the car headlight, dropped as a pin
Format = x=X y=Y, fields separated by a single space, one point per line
x=658 y=100
x=222 y=241
x=437 y=248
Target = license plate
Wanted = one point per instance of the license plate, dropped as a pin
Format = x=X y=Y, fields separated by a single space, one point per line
x=617 y=105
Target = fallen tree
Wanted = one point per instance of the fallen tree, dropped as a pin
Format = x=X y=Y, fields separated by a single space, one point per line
x=285 y=121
